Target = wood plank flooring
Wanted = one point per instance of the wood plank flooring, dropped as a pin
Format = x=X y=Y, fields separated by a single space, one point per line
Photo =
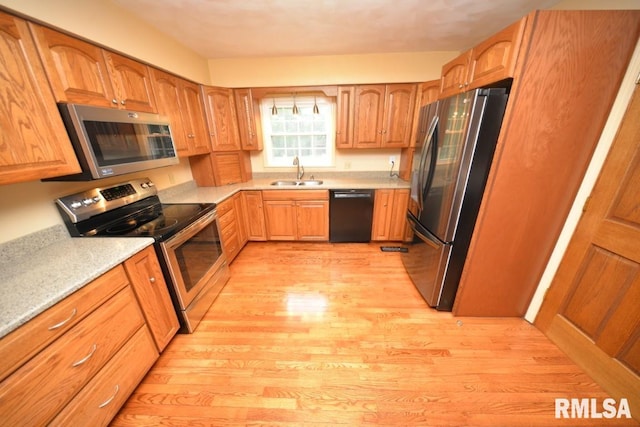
x=319 y=334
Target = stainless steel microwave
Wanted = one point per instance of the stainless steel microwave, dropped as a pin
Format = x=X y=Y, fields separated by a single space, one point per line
x=110 y=142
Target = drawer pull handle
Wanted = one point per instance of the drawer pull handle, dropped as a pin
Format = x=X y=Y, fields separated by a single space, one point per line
x=65 y=321
x=87 y=357
x=109 y=400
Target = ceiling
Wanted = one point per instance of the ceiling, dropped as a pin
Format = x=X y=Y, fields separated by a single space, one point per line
x=268 y=28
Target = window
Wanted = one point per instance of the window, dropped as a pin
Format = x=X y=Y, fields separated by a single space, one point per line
x=306 y=135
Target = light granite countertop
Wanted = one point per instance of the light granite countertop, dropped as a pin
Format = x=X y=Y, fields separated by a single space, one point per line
x=190 y=193
x=42 y=269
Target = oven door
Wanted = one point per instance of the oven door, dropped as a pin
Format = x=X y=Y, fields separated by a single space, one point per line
x=198 y=268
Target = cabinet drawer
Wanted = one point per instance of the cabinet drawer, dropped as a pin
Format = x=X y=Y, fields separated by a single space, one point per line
x=226 y=219
x=100 y=400
x=45 y=384
x=224 y=207
x=230 y=243
x=295 y=195
x=20 y=345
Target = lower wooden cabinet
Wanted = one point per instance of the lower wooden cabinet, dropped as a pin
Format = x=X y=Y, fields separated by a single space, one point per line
x=389 y=213
x=254 y=215
x=296 y=214
x=232 y=227
x=150 y=288
x=78 y=362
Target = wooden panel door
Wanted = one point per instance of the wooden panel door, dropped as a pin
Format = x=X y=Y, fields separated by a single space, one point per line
x=33 y=140
x=132 y=83
x=344 y=116
x=248 y=113
x=398 y=110
x=454 y=75
x=592 y=309
x=194 y=119
x=382 y=206
x=312 y=220
x=168 y=92
x=77 y=70
x=280 y=218
x=221 y=118
x=254 y=215
x=398 y=224
x=369 y=110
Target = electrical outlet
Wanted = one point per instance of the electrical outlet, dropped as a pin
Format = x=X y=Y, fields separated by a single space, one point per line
x=392 y=160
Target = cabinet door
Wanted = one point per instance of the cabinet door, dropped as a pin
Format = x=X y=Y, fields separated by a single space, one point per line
x=193 y=118
x=33 y=141
x=398 y=223
x=345 y=116
x=239 y=209
x=152 y=292
x=398 y=111
x=382 y=215
x=221 y=118
x=369 y=110
x=168 y=92
x=248 y=113
x=280 y=219
x=77 y=71
x=312 y=218
x=454 y=75
x=428 y=92
x=254 y=215
x=131 y=82
x=495 y=58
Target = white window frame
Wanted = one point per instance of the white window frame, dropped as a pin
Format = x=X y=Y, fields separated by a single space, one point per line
x=308 y=156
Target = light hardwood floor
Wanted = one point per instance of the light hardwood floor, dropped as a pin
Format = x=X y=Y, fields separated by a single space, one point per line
x=336 y=334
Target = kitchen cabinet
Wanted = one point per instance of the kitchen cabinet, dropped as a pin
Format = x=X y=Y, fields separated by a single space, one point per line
x=180 y=101
x=254 y=215
x=34 y=143
x=296 y=214
x=490 y=61
x=99 y=326
x=83 y=73
x=345 y=110
x=389 y=212
x=383 y=115
x=249 y=125
x=221 y=118
x=549 y=132
x=230 y=221
x=221 y=168
x=151 y=290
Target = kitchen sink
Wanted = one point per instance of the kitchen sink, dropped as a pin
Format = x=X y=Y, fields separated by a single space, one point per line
x=296 y=183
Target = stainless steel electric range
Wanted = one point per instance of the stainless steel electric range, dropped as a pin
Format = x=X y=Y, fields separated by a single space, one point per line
x=187 y=238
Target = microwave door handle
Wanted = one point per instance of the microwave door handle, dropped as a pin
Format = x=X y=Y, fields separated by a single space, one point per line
x=425 y=185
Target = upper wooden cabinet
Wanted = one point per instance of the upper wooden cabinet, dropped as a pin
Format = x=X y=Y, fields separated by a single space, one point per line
x=248 y=114
x=344 y=116
x=489 y=62
x=180 y=101
x=221 y=118
x=33 y=141
x=383 y=115
x=82 y=73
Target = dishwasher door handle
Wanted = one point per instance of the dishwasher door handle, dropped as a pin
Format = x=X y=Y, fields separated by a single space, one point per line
x=352 y=195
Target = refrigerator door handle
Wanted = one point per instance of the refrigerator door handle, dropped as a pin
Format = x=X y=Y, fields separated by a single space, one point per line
x=432 y=146
x=423 y=233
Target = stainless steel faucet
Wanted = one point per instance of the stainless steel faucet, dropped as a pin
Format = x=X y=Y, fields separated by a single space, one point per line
x=300 y=170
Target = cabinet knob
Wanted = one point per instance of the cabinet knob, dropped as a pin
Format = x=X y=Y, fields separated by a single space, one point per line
x=190 y=135
x=460 y=86
x=123 y=102
x=114 y=101
x=152 y=279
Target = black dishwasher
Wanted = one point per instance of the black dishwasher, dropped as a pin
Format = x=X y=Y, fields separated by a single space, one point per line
x=350 y=215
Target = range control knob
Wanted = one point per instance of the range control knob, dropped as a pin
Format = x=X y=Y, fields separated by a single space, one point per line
x=87 y=201
x=75 y=204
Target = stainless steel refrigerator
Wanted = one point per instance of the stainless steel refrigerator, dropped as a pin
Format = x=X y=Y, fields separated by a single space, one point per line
x=458 y=137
